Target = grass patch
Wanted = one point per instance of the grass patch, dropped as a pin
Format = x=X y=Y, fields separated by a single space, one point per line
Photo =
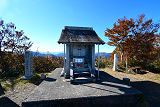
x=6 y=86
x=157 y=77
x=10 y=83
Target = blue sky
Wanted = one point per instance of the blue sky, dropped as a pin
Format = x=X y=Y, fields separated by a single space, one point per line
x=43 y=20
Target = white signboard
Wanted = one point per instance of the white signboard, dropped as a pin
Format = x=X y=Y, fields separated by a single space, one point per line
x=78 y=60
x=28 y=64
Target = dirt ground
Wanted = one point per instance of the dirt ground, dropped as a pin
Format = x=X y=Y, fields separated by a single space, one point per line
x=148 y=76
x=14 y=97
x=148 y=83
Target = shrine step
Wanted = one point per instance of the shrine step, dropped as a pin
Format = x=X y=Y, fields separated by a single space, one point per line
x=82 y=74
x=82 y=80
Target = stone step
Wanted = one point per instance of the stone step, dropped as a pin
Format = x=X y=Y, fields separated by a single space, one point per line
x=82 y=74
x=82 y=80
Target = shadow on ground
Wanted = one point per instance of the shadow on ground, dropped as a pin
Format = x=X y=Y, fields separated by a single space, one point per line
x=35 y=82
x=1 y=90
x=39 y=81
x=151 y=91
x=108 y=78
x=6 y=102
x=49 y=79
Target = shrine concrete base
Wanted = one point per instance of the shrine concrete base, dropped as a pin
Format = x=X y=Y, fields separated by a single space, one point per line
x=108 y=92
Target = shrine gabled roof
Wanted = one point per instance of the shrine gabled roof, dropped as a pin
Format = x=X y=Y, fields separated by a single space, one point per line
x=71 y=34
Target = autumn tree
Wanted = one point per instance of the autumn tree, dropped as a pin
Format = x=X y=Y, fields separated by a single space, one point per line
x=13 y=44
x=12 y=40
x=134 y=39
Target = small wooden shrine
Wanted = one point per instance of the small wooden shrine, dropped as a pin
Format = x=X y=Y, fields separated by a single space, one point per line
x=79 y=51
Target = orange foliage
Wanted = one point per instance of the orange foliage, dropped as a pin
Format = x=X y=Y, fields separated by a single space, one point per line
x=134 y=39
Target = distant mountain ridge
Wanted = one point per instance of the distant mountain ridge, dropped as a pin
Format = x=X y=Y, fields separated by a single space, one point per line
x=47 y=53
x=61 y=54
x=104 y=54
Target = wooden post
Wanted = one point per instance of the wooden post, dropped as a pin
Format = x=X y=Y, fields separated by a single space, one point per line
x=64 y=66
x=98 y=63
x=67 y=63
x=64 y=58
x=127 y=61
x=115 y=62
x=126 y=64
x=93 y=57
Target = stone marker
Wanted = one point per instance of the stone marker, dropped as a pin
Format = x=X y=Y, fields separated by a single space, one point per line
x=28 y=65
x=43 y=76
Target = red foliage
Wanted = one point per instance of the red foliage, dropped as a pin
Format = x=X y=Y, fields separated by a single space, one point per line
x=134 y=39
